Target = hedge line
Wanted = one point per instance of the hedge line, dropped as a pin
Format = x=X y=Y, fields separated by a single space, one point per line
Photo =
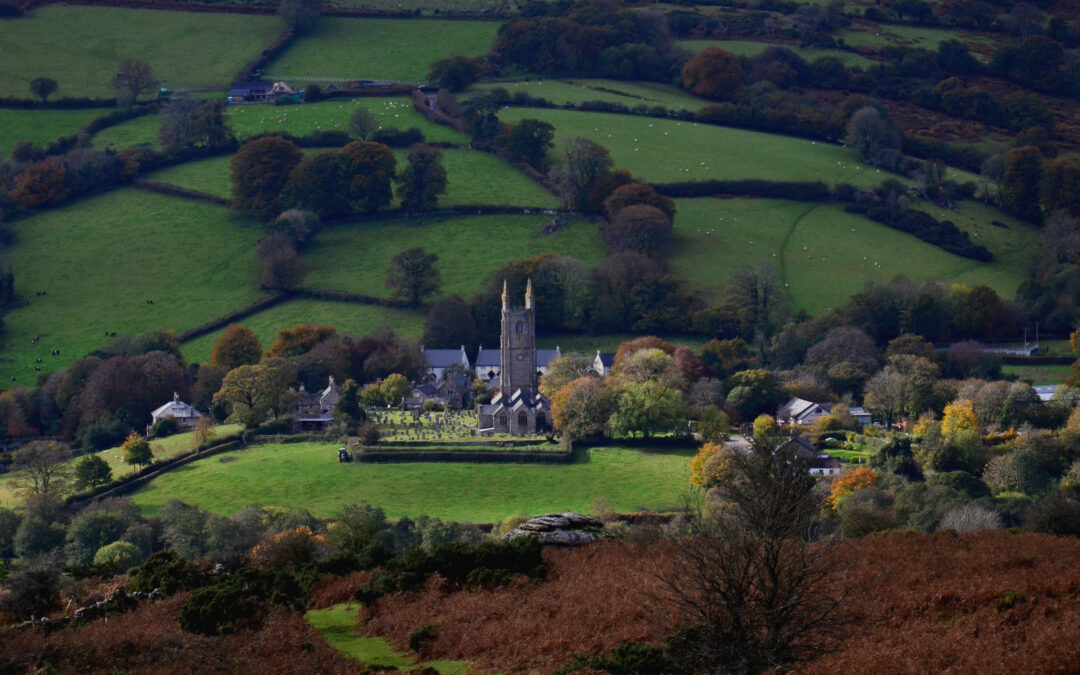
x=267 y=55
x=61 y=103
x=348 y=296
x=177 y=191
x=232 y=317
x=267 y=8
x=809 y=191
x=941 y=233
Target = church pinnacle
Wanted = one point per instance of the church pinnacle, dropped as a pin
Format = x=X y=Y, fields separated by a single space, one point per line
x=529 y=294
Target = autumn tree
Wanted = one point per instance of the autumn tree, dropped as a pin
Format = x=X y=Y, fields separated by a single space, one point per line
x=638 y=228
x=412 y=276
x=585 y=166
x=238 y=346
x=91 y=471
x=137 y=451
x=713 y=73
x=188 y=123
x=748 y=590
x=299 y=340
x=851 y=481
x=203 y=433
x=1061 y=187
x=42 y=467
x=133 y=79
x=369 y=169
x=259 y=172
x=885 y=396
x=563 y=371
x=42 y=87
x=1021 y=184
x=423 y=180
x=529 y=140
x=959 y=418
x=363 y=123
x=635 y=194
x=318 y=184
x=41 y=184
x=581 y=409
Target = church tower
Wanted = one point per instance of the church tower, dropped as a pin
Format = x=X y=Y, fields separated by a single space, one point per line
x=518 y=346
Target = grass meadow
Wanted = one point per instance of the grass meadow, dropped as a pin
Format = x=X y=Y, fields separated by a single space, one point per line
x=339 y=626
x=351 y=319
x=824 y=253
x=81 y=47
x=354 y=257
x=379 y=49
x=39 y=126
x=615 y=91
x=878 y=36
x=308 y=475
x=1043 y=374
x=749 y=48
x=663 y=151
x=141 y=132
x=472 y=178
x=100 y=259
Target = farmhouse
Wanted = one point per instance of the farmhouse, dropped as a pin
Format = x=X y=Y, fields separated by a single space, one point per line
x=801 y=411
x=518 y=408
x=314 y=411
x=186 y=416
x=255 y=90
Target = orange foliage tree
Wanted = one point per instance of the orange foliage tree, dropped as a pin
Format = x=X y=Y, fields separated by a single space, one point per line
x=581 y=409
x=239 y=346
x=850 y=482
x=713 y=73
x=291 y=549
x=648 y=342
x=40 y=184
x=299 y=340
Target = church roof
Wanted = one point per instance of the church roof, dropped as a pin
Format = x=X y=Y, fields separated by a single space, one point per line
x=490 y=357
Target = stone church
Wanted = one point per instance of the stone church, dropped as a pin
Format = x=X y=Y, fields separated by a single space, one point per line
x=518 y=407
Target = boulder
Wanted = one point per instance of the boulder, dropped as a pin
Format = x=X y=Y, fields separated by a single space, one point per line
x=560 y=529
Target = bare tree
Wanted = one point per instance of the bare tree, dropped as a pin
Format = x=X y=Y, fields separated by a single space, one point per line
x=42 y=468
x=970 y=518
x=749 y=586
x=756 y=295
x=132 y=79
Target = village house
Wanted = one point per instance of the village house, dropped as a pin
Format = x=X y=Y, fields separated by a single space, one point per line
x=314 y=411
x=453 y=392
x=819 y=464
x=440 y=360
x=801 y=411
x=186 y=416
x=603 y=363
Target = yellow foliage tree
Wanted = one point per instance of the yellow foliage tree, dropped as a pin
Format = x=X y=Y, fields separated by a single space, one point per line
x=959 y=417
x=697 y=464
x=763 y=425
x=850 y=482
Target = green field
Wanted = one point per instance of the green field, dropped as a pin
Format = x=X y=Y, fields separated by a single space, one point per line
x=338 y=625
x=81 y=47
x=40 y=126
x=308 y=475
x=473 y=177
x=749 y=48
x=379 y=49
x=354 y=257
x=662 y=151
x=164 y=448
x=877 y=36
x=1052 y=374
x=630 y=94
x=99 y=259
x=304 y=118
x=825 y=253
x=350 y=319
x=139 y=132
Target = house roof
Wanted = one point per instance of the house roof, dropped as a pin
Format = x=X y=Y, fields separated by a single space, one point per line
x=1046 y=391
x=794 y=408
x=546 y=356
x=490 y=357
x=250 y=86
x=487 y=357
x=444 y=358
x=607 y=359
x=175 y=408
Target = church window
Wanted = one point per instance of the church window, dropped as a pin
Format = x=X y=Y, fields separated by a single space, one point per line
x=518 y=328
x=523 y=420
x=502 y=420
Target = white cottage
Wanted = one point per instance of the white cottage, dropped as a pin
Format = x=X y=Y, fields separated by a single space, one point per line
x=186 y=416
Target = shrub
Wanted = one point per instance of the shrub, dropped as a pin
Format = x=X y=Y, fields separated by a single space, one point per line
x=118 y=556
x=168 y=572
x=166 y=426
x=629 y=658
x=422 y=637
x=34 y=590
x=369 y=434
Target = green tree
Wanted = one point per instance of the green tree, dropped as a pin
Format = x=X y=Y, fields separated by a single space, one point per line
x=36 y=536
x=300 y=16
x=581 y=409
x=1061 y=187
x=92 y=471
x=647 y=408
x=349 y=405
x=563 y=371
x=450 y=322
x=870 y=131
x=454 y=73
x=394 y=388
x=412 y=276
x=259 y=172
x=638 y=228
x=713 y=73
x=42 y=468
x=244 y=391
x=1020 y=187
x=133 y=79
x=137 y=451
x=187 y=123
x=423 y=180
x=585 y=166
x=89 y=531
x=118 y=556
x=530 y=140
x=318 y=184
x=370 y=169
x=363 y=123
x=238 y=346
x=42 y=87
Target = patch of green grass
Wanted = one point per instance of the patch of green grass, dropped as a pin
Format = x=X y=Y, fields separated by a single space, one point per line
x=851 y=456
x=1049 y=374
x=100 y=259
x=164 y=448
x=308 y=475
x=333 y=115
x=1014 y=243
x=210 y=175
x=40 y=126
x=876 y=36
x=339 y=626
x=81 y=47
x=139 y=132
x=662 y=151
x=379 y=49
x=354 y=257
x=750 y=48
x=630 y=94
x=824 y=253
x=350 y=319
